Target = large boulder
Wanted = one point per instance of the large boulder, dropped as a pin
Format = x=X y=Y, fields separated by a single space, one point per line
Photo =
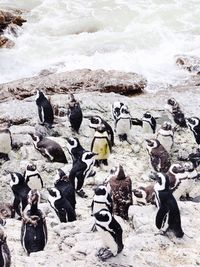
x=126 y=83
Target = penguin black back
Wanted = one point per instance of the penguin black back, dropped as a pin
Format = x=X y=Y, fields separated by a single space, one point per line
x=75 y=114
x=45 y=110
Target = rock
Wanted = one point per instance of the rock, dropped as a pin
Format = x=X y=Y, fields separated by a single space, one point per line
x=9 y=18
x=187 y=62
x=5 y=42
x=75 y=81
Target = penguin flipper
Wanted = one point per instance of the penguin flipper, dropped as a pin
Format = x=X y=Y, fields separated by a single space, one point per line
x=161 y=216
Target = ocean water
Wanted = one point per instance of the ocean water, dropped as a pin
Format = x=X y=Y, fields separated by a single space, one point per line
x=141 y=36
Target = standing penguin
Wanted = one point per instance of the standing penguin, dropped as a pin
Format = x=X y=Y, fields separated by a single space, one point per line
x=32 y=177
x=176 y=173
x=101 y=200
x=63 y=184
x=148 y=123
x=48 y=148
x=116 y=109
x=97 y=121
x=75 y=148
x=144 y=195
x=121 y=191
x=111 y=234
x=81 y=169
x=123 y=123
x=5 y=143
x=168 y=215
x=61 y=205
x=194 y=125
x=45 y=110
x=101 y=146
x=165 y=135
x=5 y=257
x=159 y=157
x=175 y=111
x=74 y=113
x=20 y=190
x=34 y=229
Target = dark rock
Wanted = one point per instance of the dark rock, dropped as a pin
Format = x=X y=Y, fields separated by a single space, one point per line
x=126 y=83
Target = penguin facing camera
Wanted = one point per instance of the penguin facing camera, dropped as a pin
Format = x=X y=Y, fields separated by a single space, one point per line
x=74 y=113
x=194 y=125
x=34 y=228
x=111 y=234
x=61 y=205
x=144 y=195
x=45 y=110
x=5 y=143
x=32 y=177
x=74 y=148
x=165 y=135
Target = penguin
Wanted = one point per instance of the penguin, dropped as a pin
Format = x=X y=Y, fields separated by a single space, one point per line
x=101 y=146
x=32 y=177
x=123 y=123
x=175 y=111
x=5 y=256
x=165 y=135
x=159 y=157
x=97 y=121
x=20 y=190
x=34 y=228
x=81 y=169
x=63 y=184
x=144 y=195
x=74 y=148
x=111 y=233
x=168 y=215
x=102 y=199
x=48 y=148
x=194 y=125
x=5 y=143
x=61 y=205
x=195 y=158
x=74 y=113
x=148 y=123
x=45 y=110
x=116 y=109
x=121 y=191
x=190 y=170
x=176 y=173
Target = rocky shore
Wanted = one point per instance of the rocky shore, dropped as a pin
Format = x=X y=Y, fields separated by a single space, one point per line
x=73 y=244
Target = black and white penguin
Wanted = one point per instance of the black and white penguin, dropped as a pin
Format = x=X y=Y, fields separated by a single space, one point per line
x=45 y=110
x=148 y=123
x=175 y=111
x=123 y=123
x=61 y=205
x=165 y=135
x=102 y=199
x=32 y=177
x=5 y=256
x=191 y=171
x=159 y=157
x=168 y=215
x=34 y=228
x=116 y=109
x=63 y=184
x=75 y=148
x=111 y=233
x=74 y=113
x=81 y=169
x=20 y=190
x=121 y=191
x=97 y=121
x=144 y=195
x=5 y=143
x=194 y=125
x=48 y=148
x=176 y=173
x=101 y=146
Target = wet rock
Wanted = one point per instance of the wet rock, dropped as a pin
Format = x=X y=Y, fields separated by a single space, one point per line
x=75 y=81
x=5 y=42
x=187 y=62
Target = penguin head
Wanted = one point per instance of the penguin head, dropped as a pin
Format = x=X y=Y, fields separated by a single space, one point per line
x=72 y=142
x=140 y=192
x=16 y=179
x=36 y=137
x=166 y=126
x=189 y=166
x=71 y=97
x=101 y=128
x=120 y=173
x=3 y=237
x=162 y=181
x=33 y=197
x=95 y=121
x=171 y=105
x=193 y=122
x=31 y=167
x=60 y=176
x=147 y=117
x=124 y=111
x=176 y=168
x=103 y=216
x=116 y=109
x=39 y=94
x=101 y=193
x=88 y=156
x=54 y=193
x=152 y=143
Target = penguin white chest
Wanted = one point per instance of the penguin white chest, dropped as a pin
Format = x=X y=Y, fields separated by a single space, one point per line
x=34 y=183
x=98 y=206
x=166 y=141
x=108 y=240
x=146 y=128
x=123 y=126
x=5 y=143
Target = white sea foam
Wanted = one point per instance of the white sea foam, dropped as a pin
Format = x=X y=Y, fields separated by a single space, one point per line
x=140 y=36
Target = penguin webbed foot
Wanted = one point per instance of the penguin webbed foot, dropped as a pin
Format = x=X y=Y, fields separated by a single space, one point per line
x=81 y=193
x=104 y=254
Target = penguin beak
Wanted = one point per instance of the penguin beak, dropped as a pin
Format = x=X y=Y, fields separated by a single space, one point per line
x=153 y=176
